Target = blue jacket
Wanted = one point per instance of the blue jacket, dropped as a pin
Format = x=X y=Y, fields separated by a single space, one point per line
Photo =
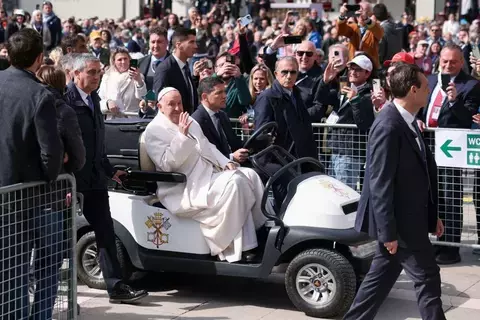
x=316 y=38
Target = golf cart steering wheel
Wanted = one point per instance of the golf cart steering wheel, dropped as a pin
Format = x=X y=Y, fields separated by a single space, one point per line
x=262 y=138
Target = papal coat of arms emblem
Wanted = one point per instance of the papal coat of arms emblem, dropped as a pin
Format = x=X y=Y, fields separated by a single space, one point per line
x=160 y=225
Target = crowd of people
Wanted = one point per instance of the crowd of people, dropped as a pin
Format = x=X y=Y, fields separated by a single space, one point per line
x=213 y=67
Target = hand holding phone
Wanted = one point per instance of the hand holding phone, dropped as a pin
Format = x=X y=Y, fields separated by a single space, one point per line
x=343 y=82
x=133 y=63
x=292 y=39
x=245 y=21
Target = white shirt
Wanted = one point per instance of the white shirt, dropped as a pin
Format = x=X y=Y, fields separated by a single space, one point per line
x=216 y=122
x=409 y=118
x=181 y=64
x=83 y=94
x=437 y=88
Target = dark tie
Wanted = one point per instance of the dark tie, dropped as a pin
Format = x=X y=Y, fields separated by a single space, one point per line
x=186 y=70
x=90 y=103
x=420 y=139
x=155 y=65
x=221 y=133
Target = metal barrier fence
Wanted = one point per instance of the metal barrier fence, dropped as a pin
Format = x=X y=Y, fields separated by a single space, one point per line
x=342 y=149
x=37 y=241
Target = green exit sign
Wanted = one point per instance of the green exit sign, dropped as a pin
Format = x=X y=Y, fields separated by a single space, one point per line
x=473 y=141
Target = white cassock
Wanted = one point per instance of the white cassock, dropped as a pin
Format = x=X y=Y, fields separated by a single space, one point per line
x=226 y=203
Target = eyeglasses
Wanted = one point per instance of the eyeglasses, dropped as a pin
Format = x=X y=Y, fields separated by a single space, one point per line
x=302 y=53
x=286 y=72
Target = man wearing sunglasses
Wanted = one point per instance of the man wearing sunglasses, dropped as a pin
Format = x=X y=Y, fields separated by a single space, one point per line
x=282 y=103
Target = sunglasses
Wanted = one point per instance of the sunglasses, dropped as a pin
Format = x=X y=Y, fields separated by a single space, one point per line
x=286 y=72
x=302 y=53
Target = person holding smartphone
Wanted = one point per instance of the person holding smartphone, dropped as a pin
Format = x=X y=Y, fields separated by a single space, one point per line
x=122 y=87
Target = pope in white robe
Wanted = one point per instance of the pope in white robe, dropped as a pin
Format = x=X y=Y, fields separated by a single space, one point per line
x=223 y=197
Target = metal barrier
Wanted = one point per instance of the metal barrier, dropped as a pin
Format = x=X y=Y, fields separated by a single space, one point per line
x=342 y=149
x=37 y=243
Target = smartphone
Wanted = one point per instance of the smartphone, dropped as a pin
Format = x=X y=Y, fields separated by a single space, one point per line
x=208 y=64
x=377 y=86
x=353 y=7
x=339 y=56
x=343 y=82
x=230 y=59
x=245 y=21
x=445 y=81
x=133 y=63
x=476 y=51
x=292 y=39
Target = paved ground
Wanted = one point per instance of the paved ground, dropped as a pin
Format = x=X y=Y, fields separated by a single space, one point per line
x=185 y=297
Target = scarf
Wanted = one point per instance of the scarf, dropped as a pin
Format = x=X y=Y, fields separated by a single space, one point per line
x=48 y=17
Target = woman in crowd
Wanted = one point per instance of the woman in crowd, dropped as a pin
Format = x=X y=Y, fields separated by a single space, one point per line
x=172 y=24
x=122 y=87
x=434 y=55
x=108 y=42
x=39 y=26
x=49 y=239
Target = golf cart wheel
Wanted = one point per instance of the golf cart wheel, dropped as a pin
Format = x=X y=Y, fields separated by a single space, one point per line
x=321 y=283
x=124 y=260
x=88 y=269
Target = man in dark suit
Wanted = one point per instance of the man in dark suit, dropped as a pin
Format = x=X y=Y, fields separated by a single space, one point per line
x=398 y=205
x=282 y=103
x=158 y=53
x=92 y=179
x=31 y=151
x=215 y=123
x=451 y=105
x=174 y=71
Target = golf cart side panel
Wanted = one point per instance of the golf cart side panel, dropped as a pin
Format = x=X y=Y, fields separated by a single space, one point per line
x=297 y=235
x=158 y=260
x=156 y=228
x=323 y=202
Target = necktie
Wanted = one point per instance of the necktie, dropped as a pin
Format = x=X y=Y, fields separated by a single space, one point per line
x=420 y=140
x=436 y=107
x=155 y=65
x=90 y=103
x=186 y=70
x=221 y=133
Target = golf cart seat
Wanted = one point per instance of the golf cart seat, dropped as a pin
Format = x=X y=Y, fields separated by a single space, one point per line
x=150 y=173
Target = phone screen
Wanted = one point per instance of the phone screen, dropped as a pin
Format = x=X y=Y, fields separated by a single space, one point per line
x=292 y=39
x=343 y=82
x=133 y=63
x=245 y=21
x=376 y=85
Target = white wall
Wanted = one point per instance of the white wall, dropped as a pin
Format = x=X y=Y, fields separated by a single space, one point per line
x=89 y=8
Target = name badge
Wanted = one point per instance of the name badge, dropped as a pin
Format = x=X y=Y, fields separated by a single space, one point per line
x=332 y=118
x=436 y=112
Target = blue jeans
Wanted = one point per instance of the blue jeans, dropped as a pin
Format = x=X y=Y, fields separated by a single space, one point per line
x=347 y=169
x=49 y=253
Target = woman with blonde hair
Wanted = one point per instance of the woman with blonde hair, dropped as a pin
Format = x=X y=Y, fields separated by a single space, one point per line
x=122 y=87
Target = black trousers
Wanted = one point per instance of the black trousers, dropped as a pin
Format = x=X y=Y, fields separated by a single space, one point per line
x=450 y=208
x=97 y=212
x=419 y=265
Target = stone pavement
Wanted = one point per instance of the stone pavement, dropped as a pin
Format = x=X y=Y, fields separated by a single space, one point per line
x=187 y=297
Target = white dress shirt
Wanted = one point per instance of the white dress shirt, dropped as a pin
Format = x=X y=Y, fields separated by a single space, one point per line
x=216 y=123
x=409 y=118
x=437 y=88
x=182 y=64
x=84 y=95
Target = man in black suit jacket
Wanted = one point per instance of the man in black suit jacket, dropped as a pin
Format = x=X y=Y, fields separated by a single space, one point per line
x=31 y=150
x=398 y=205
x=282 y=103
x=175 y=72
x=215 y=123
x=158 y=44
x=452 y=106
x=92 y=180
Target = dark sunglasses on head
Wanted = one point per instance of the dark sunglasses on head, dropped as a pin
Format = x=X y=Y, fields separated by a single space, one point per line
x=285 y=72
x=308 y=53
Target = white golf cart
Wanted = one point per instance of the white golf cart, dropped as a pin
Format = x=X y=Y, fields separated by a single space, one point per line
x=312 y=232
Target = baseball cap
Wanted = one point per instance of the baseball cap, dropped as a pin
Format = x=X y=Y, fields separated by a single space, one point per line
x=422 y=43
x=95 y=35
x=19 y=12
x=363 y=62
x=400 y=57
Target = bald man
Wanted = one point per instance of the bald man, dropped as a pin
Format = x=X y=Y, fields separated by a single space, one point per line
x=223 y=197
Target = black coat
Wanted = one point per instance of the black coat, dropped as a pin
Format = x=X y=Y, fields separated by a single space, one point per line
x=97 y=169
x=308 y=85
x=70 y=133
x=359 y=111
x=458 y=115
x=294 y=125
x=30 y=149
x=143 y=65
x=208 y=127
x=168 y=74
x=12 y=27
x=55 y=26
x=399 y=198
x=392 y=41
